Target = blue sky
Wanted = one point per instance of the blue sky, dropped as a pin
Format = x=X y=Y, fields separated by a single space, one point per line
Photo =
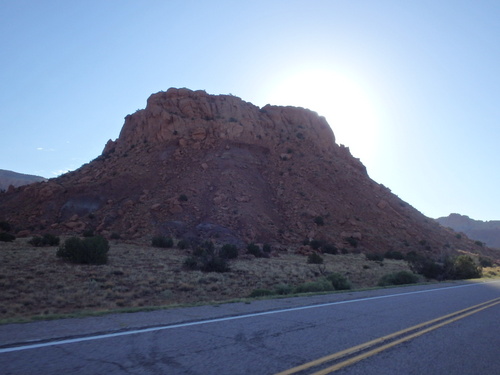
x=412 y=87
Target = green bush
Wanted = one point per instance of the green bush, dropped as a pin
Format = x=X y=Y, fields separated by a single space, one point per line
x=228 y=251
x=318 y=220
x=261 y=293
x=465 y=268
x=90 y=250
x=283 y=289
x=374 y=257
x=214 y=264
x=266 y=248
x=254 y=250
x=485 y=262
x=314 y=258
x=5 y=226
x=191 y=263
x=398 y=278
x=339 y=281
x=393 y=254
x=328 y=248
x=162 y=241
x=322 y=285
x=47 y=240
x=205 y=259
x=183 y=244
x=7 y=237
x=315 y=244
x=352 y=241
x=115 y=236
x=183 y=198
x=88 y=233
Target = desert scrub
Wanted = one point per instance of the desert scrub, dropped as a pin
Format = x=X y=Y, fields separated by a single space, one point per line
x=374 y=257
x=90 y=250
x=46 y=240
x=7 y=237
x=314 y=258
x=321 y=285
x=205 y=258
x=339 y=281
x=255 y=250
x=228 y=251
x=328 y=248
x=398 y=278
x=162 y=241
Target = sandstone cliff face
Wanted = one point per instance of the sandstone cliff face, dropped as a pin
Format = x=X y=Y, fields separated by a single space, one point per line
x=201 y=166
x=485 y=231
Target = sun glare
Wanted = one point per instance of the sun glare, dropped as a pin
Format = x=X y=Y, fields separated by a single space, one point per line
x=344 y=103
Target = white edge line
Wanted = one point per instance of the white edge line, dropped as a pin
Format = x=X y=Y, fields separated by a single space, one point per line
x=180 y=325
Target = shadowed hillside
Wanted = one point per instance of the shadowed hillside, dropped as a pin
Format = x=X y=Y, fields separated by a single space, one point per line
x=199 y=166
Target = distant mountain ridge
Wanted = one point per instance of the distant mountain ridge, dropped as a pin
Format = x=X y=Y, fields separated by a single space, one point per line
x=8 y=178
x=485 y=231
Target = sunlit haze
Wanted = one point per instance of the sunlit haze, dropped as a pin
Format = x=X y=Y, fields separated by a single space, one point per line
x=411 y=87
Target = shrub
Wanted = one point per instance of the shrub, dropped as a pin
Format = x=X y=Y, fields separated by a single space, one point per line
x=214 y=264
x=5 y=226
x=318 y=220
x=329 y=249
x=393 y=254
x=485 y=262
x=339 y=281
x=398 y=278
x=47 y=240
x=228 y=251
x=90 y=250
x=162 y=241
x=183 y=244
x=315 y=244
x=465 y=268
x=88 y=233
x=374 y=257
x=183 y=198
x=314 y=258
x=352 y=241
x=7 y=237
x=283 y=289
x=191 y=263
x=266 y=248
x=322 y=285
x=115 y=236
x=254 y=250
x=261 y=293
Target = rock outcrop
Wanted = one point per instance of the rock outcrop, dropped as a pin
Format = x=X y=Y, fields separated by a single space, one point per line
x=202 y=166
x=485 y=231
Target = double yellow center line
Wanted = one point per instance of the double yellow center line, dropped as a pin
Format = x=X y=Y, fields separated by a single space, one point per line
x=373 y=347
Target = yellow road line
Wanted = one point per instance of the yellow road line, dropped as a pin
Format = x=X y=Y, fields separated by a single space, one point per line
x=458 y=315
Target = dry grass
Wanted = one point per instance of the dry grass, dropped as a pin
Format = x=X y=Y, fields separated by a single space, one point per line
x=33 y=281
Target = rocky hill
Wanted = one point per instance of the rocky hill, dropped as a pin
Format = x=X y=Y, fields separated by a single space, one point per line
x=9 y=178
x=485 y=231
x=200 y=166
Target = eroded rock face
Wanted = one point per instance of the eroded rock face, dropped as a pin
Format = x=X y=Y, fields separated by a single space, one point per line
x=194 y=165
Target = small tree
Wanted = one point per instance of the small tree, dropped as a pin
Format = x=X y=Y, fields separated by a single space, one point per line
x=464 y=267
x=314 y=258
x=162 y=241
x=228 y=251
x=90 y=250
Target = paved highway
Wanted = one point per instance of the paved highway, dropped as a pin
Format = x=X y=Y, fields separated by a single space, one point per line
x=437 y=329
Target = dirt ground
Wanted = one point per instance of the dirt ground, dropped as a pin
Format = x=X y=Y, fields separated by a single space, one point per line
x=34 y=282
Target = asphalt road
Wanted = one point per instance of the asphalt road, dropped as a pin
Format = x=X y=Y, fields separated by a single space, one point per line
x=273 y=336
